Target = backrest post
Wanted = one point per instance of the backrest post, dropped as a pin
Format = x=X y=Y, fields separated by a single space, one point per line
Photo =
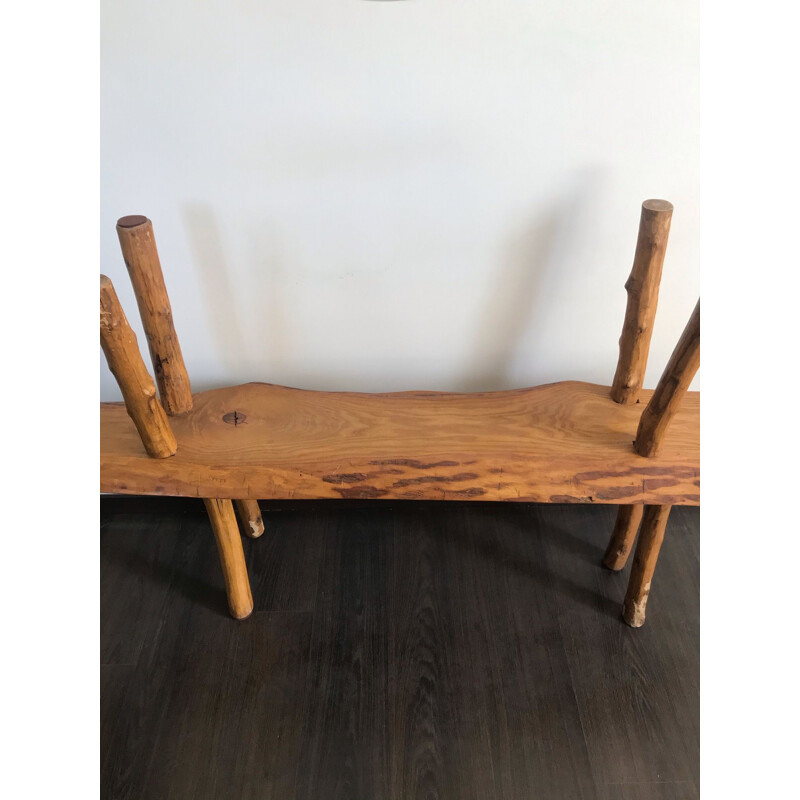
x=642 y=288
x=144 y=267
x=681 y=368
x=125 y=362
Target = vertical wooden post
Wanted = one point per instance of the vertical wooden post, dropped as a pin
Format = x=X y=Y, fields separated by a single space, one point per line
x=681 y=368
x=141 y=258
x=125 y=362
x=678 y=374
x=651 y=535
x=231 y=554
x=623 y=536
x=642 y=287
x=634 y=345
x=250 y=516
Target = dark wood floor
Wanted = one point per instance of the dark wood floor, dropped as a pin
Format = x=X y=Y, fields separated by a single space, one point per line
x=397 y=651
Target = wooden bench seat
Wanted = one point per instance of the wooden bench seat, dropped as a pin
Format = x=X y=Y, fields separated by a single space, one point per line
x=564 y=442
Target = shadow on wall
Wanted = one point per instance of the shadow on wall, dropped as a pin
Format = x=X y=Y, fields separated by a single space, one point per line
x=520 y=300
x=242 y=335
x=271 y=313
x=536 y=260
x=205 y=241
x=511 y=302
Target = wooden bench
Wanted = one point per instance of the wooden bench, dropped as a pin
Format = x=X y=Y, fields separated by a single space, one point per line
x=568 y=442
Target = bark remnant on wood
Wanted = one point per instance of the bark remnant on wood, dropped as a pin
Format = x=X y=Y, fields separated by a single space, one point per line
x=231 y=556
x=250 y=516
x=678 y=374
x=642 y=288
x=623 y=536
x=651 y=535
x=144 y=267
x=125 y=362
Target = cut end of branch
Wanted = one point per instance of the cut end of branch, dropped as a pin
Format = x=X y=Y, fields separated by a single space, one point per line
x=615 y=561
x=658 y=205
x=132 y=221
x=633 y=613
x=241 y=613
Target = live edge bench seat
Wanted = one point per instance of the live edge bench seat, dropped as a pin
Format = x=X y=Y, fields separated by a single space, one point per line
x=565 y=442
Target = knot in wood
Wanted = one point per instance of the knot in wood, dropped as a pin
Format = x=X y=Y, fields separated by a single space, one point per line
x=234 y=418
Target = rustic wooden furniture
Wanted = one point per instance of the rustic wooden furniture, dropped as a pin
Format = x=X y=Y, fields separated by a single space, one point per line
x=568 y=442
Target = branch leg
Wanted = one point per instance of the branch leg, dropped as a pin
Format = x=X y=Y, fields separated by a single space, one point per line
x=250 y=517
x=651 y=535
x=231 y=555
x=623 y=536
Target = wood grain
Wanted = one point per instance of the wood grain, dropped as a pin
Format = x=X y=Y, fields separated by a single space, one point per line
x=671 y=389
x=144 y=267
x=346 y=732
x=623 y=537
x=637 y=689
x=642 y=288
x=147 y=417
x=564 y=442
x=467 y=652
x=231 y=556
x=651 y=535
x=142 y=565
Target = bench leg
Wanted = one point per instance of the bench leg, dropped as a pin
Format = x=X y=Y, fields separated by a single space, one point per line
x=623 y=536
x=651 y=535
x=231 y=555
x=250 y=517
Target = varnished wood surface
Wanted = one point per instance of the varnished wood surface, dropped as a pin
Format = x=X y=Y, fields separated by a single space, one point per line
x=396 y=650
x=623 y=536
x=231 y=556
x=563 y=442
x=642 y=288
x=250 y=517
x=671 y=390
x=648 y=546
x=138 y=244
x=147 y=417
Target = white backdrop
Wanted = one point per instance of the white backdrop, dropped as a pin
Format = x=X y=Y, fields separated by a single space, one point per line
x=420 y=194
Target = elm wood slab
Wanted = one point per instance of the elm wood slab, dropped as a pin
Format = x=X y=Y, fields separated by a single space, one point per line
x=562 y=442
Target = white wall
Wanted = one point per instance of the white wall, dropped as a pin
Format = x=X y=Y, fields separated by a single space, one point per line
x=425 y=194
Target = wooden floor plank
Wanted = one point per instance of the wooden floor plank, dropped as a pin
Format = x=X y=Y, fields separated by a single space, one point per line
x=344 y=752
x=435 y=735
x=637 y=689
x=116 y=733
x=230 y=723
x=536 y=733
x=284 y=562
x=139 y=561
x=190 y=586
x=653 y=790
x=412 y=650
